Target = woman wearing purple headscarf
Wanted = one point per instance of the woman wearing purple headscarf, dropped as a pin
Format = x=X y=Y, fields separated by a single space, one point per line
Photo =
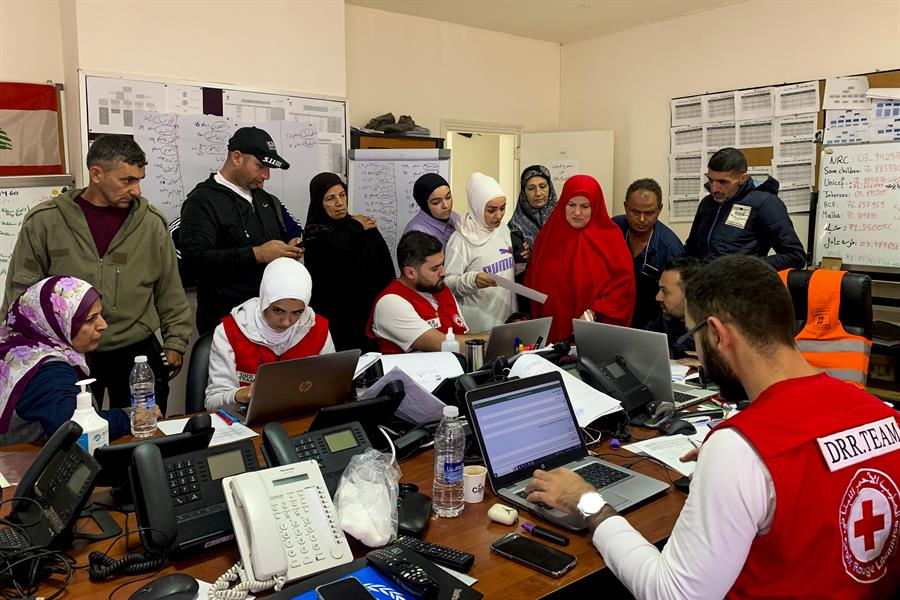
x=43 y=340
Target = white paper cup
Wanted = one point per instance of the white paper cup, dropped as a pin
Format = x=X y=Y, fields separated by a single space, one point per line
x=473 y=483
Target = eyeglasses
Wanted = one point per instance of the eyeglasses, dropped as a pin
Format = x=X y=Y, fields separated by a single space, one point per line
x=690 y=333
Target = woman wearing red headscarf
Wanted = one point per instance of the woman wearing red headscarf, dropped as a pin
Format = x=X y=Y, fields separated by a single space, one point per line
x=581 y=262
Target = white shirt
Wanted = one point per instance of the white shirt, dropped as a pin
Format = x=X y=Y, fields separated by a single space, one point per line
x=397 y=321
x=732 y=500
x=245 y=194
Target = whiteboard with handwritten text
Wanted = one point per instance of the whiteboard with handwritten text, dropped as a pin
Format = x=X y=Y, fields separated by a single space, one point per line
x=858 y=217
x=15 y=202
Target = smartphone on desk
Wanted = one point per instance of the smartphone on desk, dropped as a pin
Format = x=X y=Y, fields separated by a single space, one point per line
x=536 y=555
x=344 y=589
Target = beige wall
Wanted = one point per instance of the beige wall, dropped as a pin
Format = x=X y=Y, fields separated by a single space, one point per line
x=30 y=41
x=624 y=81
x=478 y=153
x=433 y=70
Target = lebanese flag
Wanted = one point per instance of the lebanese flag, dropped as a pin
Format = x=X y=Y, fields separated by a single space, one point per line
x=29 y=130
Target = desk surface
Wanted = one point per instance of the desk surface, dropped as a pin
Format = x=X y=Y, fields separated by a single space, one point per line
x=472 y=532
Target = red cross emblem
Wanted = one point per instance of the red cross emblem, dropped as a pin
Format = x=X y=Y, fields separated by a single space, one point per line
x=870 y=525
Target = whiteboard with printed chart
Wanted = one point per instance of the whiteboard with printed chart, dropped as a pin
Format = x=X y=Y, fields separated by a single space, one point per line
x=858 y=215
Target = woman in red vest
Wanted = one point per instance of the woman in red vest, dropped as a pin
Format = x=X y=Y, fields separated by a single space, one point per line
x=279 y=325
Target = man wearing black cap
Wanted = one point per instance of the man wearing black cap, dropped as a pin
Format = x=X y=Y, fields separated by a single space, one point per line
x=231 y=228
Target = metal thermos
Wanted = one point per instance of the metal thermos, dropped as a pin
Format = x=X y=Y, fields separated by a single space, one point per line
x=474 y=354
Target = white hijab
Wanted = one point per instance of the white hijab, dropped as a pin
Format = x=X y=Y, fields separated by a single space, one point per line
x=284 y=278
x=480 y=190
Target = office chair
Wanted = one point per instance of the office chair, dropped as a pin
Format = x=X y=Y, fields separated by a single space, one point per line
x=856 y=301
x=198 y=375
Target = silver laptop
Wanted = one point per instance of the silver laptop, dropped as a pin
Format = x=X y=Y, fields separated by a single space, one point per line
x=503 y=337
x=300 y=385
x=527 y=424
x=645 y=352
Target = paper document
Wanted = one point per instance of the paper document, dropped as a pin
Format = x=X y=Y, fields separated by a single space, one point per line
x=668 y=449
x=884 y=93
x=428 y=369
x=679 y=371
x=365 y=361
x=519 y=289
x=419 y=406
x=589 y=404
x=846 y=92
x=224 y=434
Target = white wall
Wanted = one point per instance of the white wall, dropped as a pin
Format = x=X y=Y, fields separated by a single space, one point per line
x=624 y=81
x=30 y=42
x=470 y=154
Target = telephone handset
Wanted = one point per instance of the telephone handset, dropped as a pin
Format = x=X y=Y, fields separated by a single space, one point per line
x=291 y=505
x=59 y=483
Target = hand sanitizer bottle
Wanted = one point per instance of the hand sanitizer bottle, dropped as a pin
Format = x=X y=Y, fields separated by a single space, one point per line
x=450 y=344
x=95 y=429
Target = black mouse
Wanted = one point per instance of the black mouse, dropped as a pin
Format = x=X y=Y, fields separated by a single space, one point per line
x=678 y=426
x=176 y=586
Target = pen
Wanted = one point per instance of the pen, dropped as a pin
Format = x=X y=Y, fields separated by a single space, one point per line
x=537 y=344
x=233 y=418
x=693 y=443
x=220 y=414
x=516 y=345
x=546 y=534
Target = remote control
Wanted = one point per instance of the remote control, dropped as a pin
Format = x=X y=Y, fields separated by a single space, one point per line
x=449 y=557
x=409 y=576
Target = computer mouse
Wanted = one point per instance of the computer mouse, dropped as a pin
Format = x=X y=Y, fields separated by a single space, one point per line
x=175 y=586
x=678 y=426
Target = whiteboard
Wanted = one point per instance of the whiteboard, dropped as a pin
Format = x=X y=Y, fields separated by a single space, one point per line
x=381 y=183
x=15 y=201
x=858 y=216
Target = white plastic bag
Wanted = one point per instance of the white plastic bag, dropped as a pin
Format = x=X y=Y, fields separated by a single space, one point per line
x=366 y=498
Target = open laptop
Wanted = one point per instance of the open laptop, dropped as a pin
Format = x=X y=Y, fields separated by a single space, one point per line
x=527 y=424
x=503 y=337
x=300 y=385
x=645 y=352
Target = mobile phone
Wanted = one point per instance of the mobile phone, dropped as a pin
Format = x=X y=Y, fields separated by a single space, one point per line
x=345 y=589
x=536 y=555
x=518 y=245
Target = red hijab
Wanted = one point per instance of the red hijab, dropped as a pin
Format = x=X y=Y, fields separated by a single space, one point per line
x=582 y=268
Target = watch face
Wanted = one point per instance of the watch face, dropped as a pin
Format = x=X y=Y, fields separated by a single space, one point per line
x=591 y=503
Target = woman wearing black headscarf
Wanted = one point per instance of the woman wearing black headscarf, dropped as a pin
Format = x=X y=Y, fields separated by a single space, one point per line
x=537 y=199
x=348 y=259
x=432 y=193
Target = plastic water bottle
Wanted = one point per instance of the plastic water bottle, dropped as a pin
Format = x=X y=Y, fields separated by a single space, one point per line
x=143 y=399
x=449 y=446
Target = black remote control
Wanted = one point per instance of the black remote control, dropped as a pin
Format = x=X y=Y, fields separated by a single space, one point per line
x=409 y=576
x=449 y=557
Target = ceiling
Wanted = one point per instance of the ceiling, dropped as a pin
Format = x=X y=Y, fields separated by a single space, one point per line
x=560 y=21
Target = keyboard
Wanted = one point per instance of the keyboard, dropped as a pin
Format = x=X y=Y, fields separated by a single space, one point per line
x=600 y=476
x=680 y=397
x=523 y=494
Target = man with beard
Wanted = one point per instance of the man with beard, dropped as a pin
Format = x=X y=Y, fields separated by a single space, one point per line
x=415 y=311
x=824 y=452
x=671 y=302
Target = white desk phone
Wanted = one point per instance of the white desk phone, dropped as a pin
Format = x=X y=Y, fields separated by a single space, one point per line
x=290 y=505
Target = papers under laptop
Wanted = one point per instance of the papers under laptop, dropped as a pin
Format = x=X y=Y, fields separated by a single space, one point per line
x=300 y=385
x=645 y=352
x=525 y=424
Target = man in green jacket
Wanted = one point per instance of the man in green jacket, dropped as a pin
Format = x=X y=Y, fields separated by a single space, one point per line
x=110 y=236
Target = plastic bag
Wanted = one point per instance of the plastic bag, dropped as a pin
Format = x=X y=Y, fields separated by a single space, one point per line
x=366 y=498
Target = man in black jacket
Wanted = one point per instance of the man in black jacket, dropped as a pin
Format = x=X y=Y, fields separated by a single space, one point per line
x=738 y=217
x=231 y=228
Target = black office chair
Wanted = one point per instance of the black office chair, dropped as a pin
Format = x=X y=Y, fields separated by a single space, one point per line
x=198 y=375
x=855 y=312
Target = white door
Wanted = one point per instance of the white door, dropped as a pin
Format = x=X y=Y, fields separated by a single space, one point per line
x=568 y=153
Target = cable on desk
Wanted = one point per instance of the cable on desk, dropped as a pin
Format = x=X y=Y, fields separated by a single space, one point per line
x=384 y=432
x=222 y=590
x=102 y=566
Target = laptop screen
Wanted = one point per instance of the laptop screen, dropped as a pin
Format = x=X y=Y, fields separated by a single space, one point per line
x=524 y=427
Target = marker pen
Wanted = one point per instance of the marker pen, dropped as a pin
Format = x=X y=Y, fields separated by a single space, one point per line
x=222 y=416
x=546 y=534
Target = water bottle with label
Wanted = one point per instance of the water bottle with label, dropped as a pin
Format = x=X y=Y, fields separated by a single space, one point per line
x=449 y=447
x=143 y=399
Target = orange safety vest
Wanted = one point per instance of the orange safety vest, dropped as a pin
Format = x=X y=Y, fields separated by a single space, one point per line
x=823 y=341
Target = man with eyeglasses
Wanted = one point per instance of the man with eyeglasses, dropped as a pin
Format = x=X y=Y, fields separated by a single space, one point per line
x=652 y=245
x=231 y=228
x=824 y=453
x=740 y=217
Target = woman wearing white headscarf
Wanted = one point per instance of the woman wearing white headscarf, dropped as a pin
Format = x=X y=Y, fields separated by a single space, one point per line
x=279 y=325
x=479 y=250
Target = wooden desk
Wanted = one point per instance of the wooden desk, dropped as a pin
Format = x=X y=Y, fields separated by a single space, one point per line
x=472 y=532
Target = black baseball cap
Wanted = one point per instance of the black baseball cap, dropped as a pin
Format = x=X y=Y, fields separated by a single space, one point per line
x=255 y=141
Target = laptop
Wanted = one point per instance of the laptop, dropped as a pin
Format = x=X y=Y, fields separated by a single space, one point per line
x=527 y=424
x=645 y=352
x=300 y=385
x=503 y=337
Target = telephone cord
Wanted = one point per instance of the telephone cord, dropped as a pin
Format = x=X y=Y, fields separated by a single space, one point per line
x=222 y=590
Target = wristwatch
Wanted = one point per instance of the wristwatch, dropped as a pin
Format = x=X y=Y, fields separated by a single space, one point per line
x=590 y=504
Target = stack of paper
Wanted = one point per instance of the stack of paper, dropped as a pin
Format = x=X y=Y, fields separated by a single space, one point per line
x=669 y=449
x=419 y=406
x=224 y=433
x=428 y=369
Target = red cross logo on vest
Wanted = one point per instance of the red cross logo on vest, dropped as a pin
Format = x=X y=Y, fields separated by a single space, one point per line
x=870 y=524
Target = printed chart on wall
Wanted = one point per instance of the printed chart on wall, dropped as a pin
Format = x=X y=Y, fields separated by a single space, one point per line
x=858 y=216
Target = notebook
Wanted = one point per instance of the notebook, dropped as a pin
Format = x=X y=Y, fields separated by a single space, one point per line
x=503 y=337
x=645 y=352
x=527 y=424
x=300 y=385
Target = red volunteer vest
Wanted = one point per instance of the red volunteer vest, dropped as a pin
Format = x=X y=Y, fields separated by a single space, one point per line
x=835 y=463
x=249 y=355
x=447 y=313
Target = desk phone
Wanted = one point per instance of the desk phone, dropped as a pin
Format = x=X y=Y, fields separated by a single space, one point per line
x=291 y=505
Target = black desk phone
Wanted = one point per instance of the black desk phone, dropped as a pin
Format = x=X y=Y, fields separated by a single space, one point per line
x=331 y=448
x=613 y=377
x=58 y=484
x=180 y=498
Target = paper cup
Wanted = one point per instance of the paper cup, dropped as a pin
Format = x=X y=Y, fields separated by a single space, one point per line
x=473 y=483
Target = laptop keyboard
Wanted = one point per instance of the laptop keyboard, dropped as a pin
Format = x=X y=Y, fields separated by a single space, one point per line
x=523 y=494
x=682 y=397
x=600 y=476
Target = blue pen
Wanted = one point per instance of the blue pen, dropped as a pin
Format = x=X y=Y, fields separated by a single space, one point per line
x=225 y=417
x=229 y=415
x=516 y=345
